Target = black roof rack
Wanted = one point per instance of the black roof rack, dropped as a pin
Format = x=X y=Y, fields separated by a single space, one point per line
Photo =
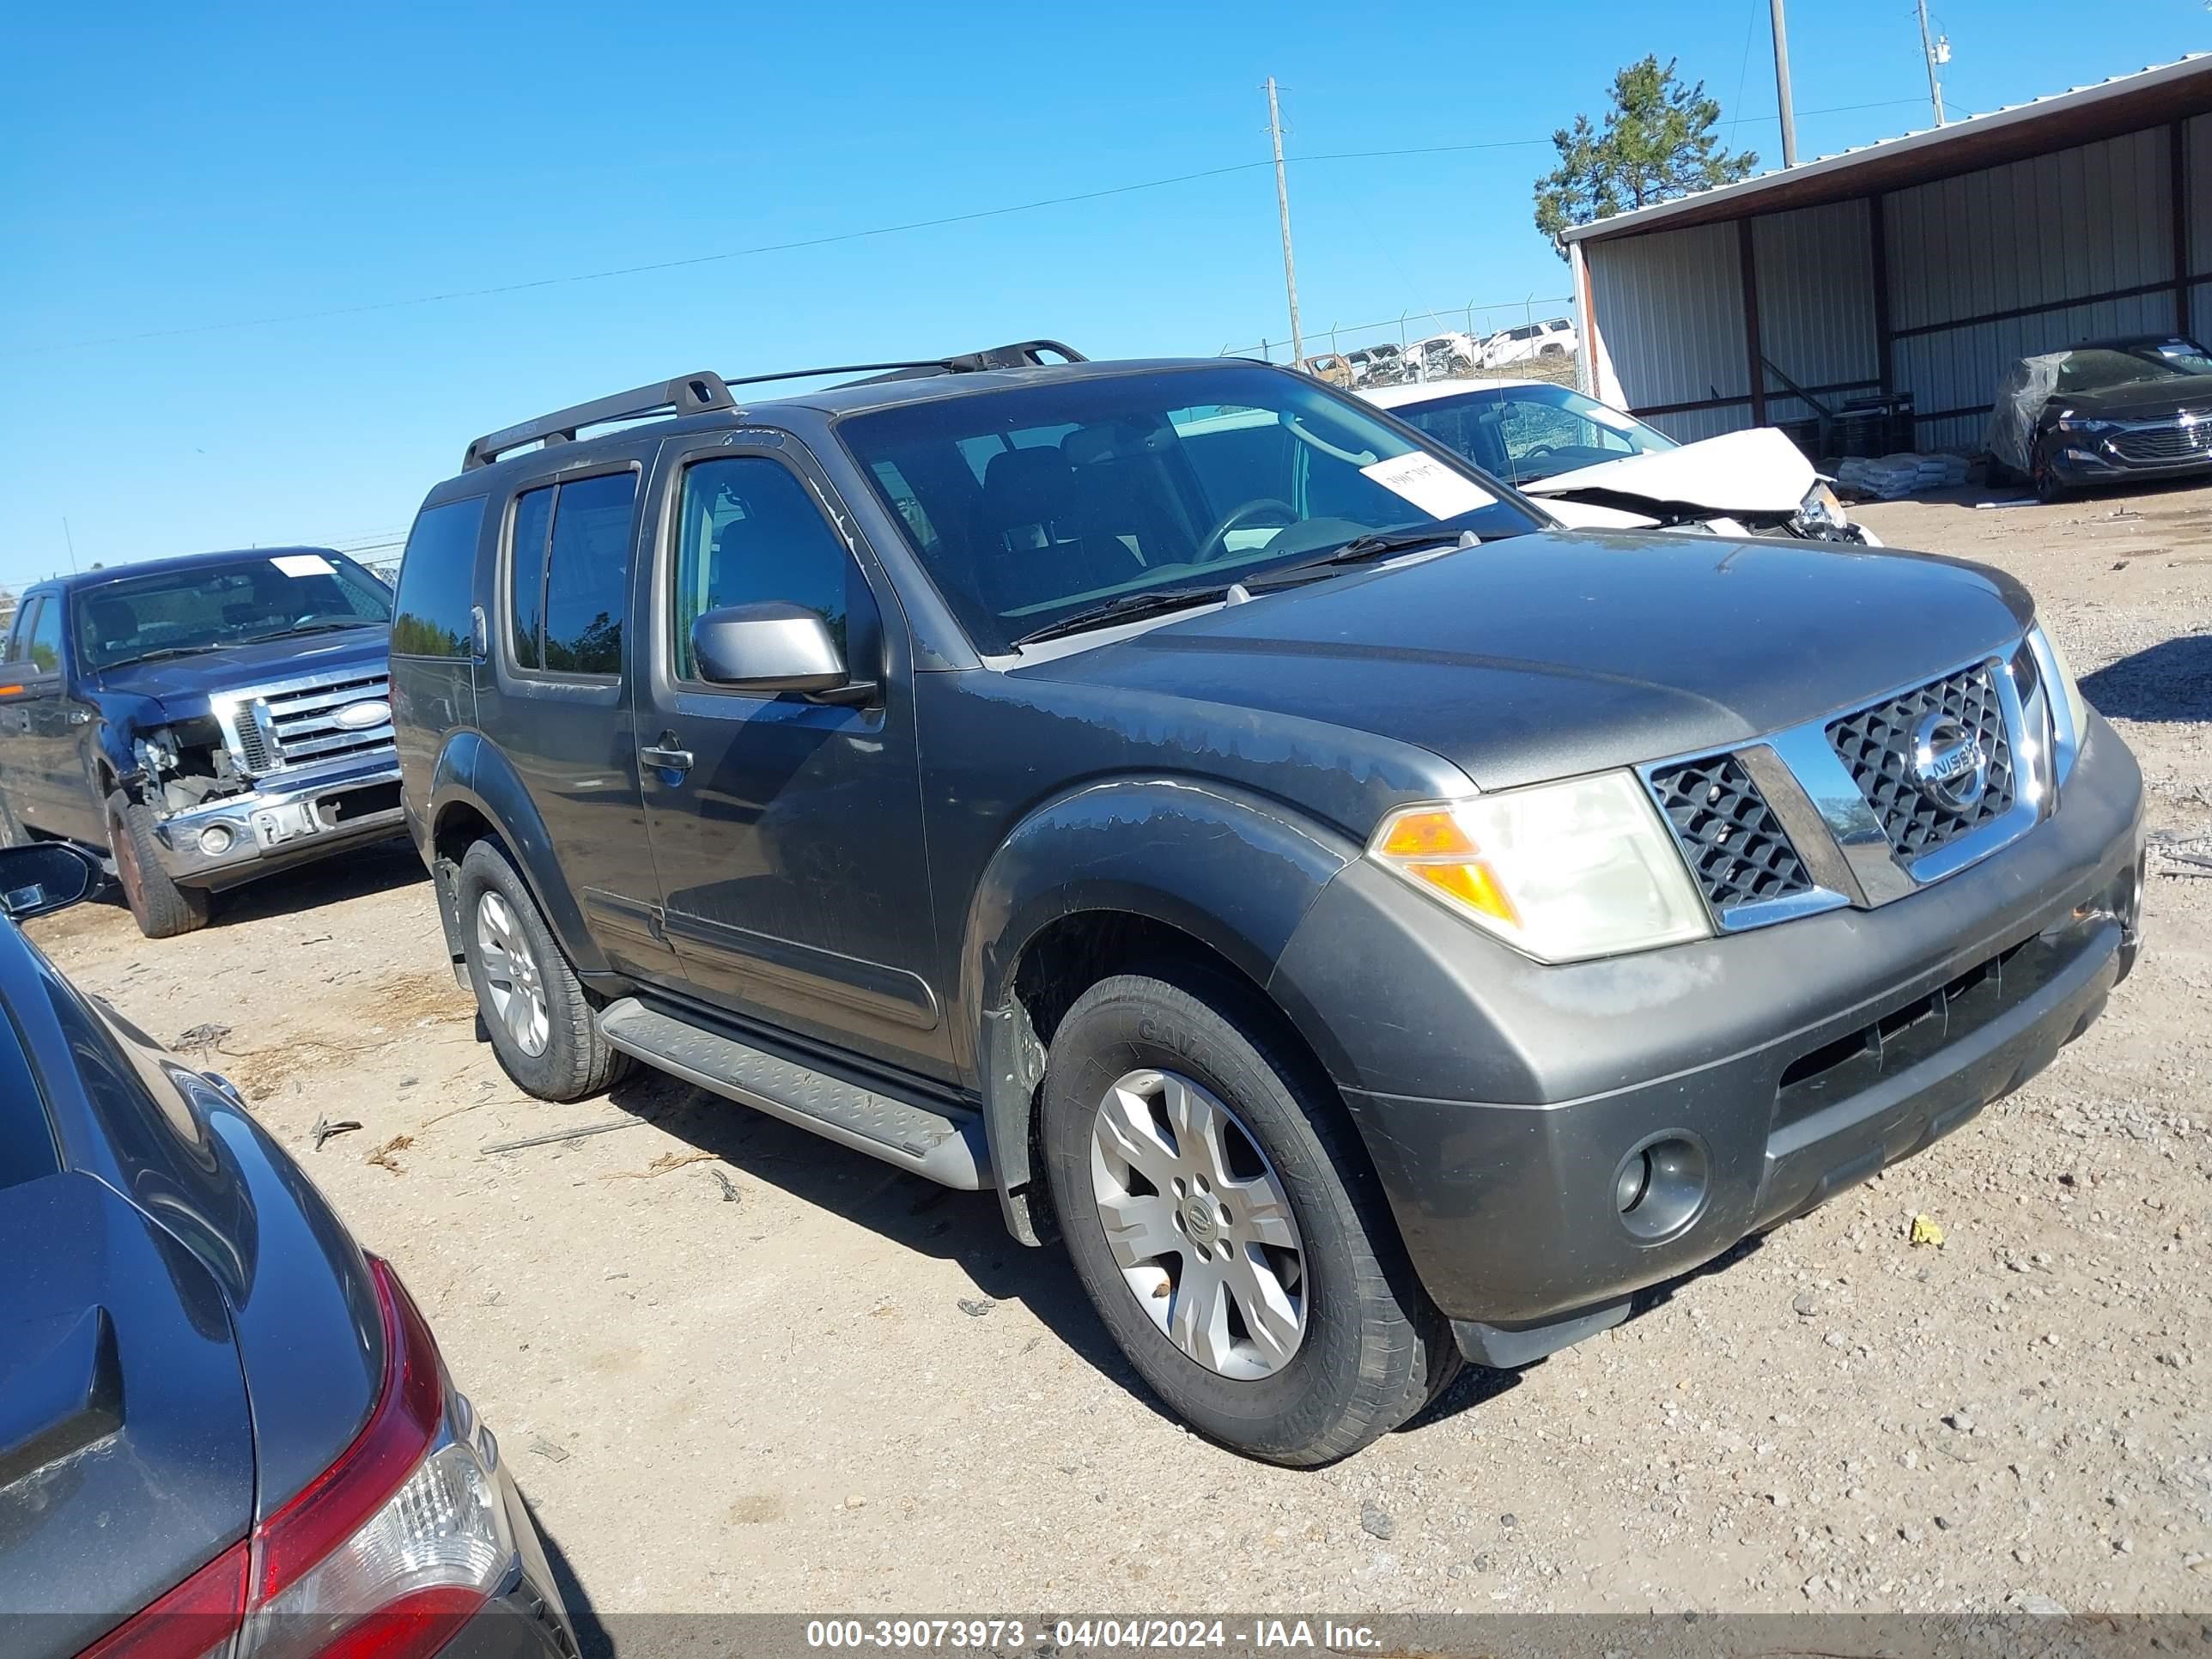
x=705 y=390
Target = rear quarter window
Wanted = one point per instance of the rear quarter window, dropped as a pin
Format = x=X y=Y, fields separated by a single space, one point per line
x=437 y=582
x=27 y=1136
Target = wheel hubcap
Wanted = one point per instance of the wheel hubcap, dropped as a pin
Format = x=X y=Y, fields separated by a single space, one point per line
x=512 y=976
x=1198 y=1224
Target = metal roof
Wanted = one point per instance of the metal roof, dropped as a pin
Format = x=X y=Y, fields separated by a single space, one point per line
x=2150 y=97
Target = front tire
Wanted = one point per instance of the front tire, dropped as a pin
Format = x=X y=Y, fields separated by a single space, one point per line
x=532 y=1004
x=1224 y=1223
x=161 y=909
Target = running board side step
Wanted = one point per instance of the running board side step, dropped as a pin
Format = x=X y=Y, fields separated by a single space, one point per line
x=945 y=1147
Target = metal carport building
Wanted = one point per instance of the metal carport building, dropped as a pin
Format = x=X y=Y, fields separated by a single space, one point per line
x=1918 y=266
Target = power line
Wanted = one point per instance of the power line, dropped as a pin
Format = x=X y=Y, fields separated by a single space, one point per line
x=799 y=244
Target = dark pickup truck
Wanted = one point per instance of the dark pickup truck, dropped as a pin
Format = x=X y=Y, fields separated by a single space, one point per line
x=1374 y=925
x=203 y=720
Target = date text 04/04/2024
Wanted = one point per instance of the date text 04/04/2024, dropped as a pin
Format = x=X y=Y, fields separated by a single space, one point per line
x=1001 y=1634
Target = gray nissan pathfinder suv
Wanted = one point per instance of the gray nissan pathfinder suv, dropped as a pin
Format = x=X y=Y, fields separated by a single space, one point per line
x=1372 y=926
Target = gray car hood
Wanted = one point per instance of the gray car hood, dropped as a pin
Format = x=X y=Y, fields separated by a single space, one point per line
x=1547 y=655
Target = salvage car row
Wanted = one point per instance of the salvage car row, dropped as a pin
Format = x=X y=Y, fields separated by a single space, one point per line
x=1249 y=831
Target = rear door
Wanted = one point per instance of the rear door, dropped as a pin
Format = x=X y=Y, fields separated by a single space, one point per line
x=793 y=875
x=554 y=696
x=18 y=780
x=36 y=725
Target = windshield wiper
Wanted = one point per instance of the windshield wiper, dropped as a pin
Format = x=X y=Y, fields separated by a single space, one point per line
x=311 y=628
x=1126 y=608
x=164 y=651
x=1380 y=543
x=1361 y=550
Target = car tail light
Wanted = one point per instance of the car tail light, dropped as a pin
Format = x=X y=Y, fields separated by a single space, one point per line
x=385 y=1555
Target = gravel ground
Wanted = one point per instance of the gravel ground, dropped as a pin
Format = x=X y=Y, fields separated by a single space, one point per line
x=737 y=1367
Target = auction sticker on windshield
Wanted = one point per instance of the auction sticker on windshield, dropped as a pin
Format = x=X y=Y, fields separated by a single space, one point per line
x=1429 y=484
x=303 y=564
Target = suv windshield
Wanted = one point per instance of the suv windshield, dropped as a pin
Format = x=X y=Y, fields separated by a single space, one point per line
x=1523 y=433
x=1029 y=505
x=207 y=607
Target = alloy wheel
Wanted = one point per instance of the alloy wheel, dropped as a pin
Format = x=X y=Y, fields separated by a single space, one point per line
x=1200 y=1224
x=512 y=976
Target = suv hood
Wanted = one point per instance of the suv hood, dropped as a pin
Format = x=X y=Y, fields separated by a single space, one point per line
x=1757 y=472
x=1551 y=655
x=184 y=685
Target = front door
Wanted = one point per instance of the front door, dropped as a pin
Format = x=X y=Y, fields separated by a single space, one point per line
x=787 y=832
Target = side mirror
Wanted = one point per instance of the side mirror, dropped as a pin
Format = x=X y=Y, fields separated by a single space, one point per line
x=45 y=876
x=768 y=646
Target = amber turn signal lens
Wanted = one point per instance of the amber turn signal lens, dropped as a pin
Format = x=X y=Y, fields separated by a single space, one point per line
x=1472 y=884
x=1427 y=835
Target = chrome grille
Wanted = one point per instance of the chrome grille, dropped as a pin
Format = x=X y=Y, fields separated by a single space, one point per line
x=1876 y=745
x=300 y=723
x=1737 y=849
x=303 y=724
x=2178 y=441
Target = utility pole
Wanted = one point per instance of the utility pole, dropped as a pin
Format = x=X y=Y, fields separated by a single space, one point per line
x=1927 y=51
x=1283 y=207
x=1782 y=85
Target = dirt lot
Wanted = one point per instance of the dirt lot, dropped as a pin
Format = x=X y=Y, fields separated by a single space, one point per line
x=738 y=1368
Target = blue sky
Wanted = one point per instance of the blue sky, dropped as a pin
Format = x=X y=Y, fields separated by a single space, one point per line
x=182 y=188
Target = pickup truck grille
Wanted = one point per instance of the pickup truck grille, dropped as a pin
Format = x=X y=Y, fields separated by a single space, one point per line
x=1737 y=849
x=1876 y=745
x=306 y=723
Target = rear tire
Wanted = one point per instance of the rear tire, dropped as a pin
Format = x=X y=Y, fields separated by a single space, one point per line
x=1368 y=1350
x=161 y=909
x=529 y=1002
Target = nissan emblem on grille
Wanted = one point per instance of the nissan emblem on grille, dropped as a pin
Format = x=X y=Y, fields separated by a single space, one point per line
x=1948 y=763
x=1933 y=762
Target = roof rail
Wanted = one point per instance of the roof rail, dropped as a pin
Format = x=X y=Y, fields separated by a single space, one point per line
x=705 y=390
x=687 y=394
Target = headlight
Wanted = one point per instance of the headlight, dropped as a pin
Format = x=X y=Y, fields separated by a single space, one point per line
x=1560 y=871
x=1821 y=510
x=2073 y=711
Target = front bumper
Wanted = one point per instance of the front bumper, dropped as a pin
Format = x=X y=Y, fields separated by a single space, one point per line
x=2081 y=459
x=288 y=820
x=1793 y=1060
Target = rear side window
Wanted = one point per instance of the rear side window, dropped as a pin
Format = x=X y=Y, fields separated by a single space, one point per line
x=437 y=582
x=44 y=650
x=569 y=574
x=19 y=641
x=27 y=1137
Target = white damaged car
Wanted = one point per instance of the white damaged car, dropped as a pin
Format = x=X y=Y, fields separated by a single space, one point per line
x=1595 y=467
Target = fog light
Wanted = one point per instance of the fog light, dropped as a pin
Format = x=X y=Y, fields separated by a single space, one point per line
x=1632 y=1182
x=1660 y=1186
x=215 y=840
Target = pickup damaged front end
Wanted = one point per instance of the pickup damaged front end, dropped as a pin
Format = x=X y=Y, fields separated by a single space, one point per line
x=273 y=775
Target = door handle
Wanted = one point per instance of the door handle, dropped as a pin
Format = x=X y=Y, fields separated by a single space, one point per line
x=665 y=759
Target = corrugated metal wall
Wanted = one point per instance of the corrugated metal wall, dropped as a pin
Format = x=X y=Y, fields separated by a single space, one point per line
x=2199 y=136
x=1671 y=305
x=2028 y=234
x=1815 y=277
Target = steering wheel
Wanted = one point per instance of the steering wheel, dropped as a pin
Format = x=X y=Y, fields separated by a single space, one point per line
x=1534 y=450
x=1216 y=542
